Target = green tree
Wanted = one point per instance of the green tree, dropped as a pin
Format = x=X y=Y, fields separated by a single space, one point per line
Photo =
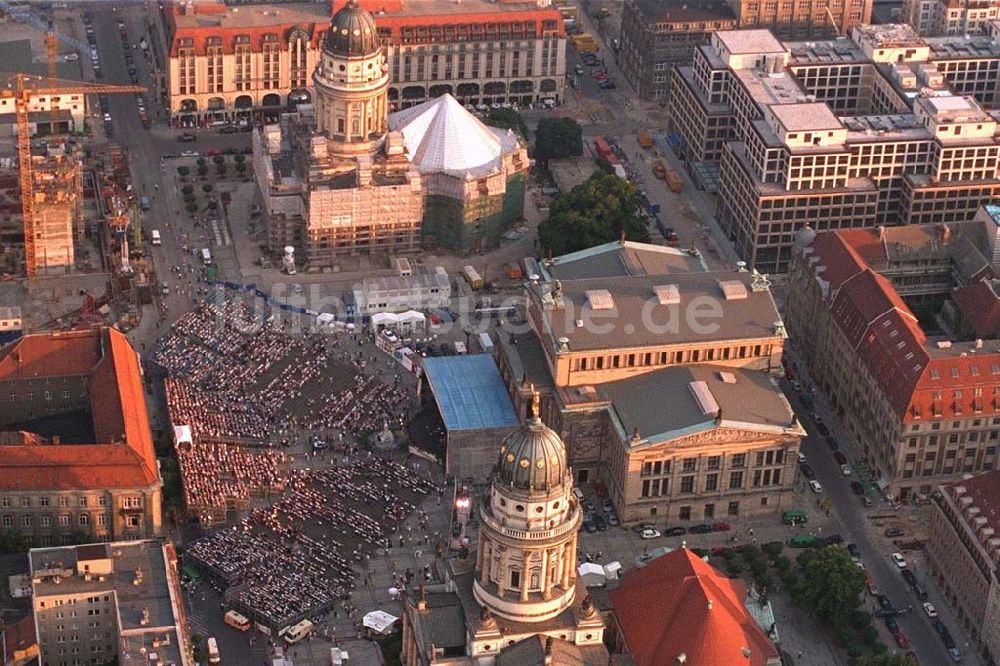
x=239 y=158
x=832 y=586
x=183 y=171
x=886 y=659
x=221 y=169
x=189 y=199
x=80 y=537
x=597 y=211
x=187 y=189
x=212 y=205
x=201 y=162
x=556 y=138
x=507 y=119
x=219 y=159
x=207 y=188
x=192 y=208
x=203 y=170
x=241 y=168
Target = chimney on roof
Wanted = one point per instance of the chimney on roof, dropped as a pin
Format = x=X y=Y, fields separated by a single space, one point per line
x=718 y=417
x=547 y=659
x=422 y=600
x=681 y=659
x=709 y=604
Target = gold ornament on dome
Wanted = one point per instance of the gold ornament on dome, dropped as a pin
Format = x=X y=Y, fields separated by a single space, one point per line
x=524 y=462
x=510 y=457
x=540 y=463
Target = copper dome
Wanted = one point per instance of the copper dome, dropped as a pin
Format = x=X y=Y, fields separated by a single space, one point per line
x=532 y=457
x=352 y=32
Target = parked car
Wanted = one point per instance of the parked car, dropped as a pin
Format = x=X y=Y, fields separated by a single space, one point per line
x=674 y=531
x=807 y=471
x=955 y=655
x=891 y=624
x=816 y=486
x=638 y=529
x=832 y=443
x=898 y=560
x=600 y=523
x=910 y=578
x=802 y=457
x=857 y=488
x=929 y=609
x=834 y=539
x=649 y=534
x=855 y=552
x=901 y=641
x=589 y=526
x=721 y=527
x=704 y=528
x=187 y=138
x=893 y=532
x=613 y=519
x=823 y=430
x=883 y=602
x=840 y=458
x=845 y=470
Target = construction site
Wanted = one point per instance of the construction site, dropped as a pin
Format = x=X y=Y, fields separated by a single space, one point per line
x=70 y=225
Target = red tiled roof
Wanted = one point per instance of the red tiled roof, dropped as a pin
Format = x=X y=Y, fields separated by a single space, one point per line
x=125 y=456
x=19 y=639
x=679 y=603
x=72 y=467
x=839 y=259
x=50 y=355
x=887 y=336
x=390 y=17
x=981 y=307
x=984 y=489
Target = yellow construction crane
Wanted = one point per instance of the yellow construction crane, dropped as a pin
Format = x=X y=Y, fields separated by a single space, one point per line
x=21 y=87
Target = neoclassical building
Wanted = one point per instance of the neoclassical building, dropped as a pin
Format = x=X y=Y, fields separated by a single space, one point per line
x=518 y=600
x=340 y=176
x=229 y=61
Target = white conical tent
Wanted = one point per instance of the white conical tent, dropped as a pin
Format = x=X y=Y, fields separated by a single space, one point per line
x=442 y=136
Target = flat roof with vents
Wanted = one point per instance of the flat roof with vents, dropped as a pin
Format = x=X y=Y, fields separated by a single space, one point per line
x=667 y=294
x=600 y=299
x=733 y=290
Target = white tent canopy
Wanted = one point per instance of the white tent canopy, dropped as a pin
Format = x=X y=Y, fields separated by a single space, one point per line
x=379 y=621
x=182 y=434
x=592 y=574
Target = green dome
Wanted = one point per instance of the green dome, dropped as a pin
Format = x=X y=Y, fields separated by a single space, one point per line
x=532 y=457
x=352 y=32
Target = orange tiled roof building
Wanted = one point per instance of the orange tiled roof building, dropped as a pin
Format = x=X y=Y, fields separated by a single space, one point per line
x=679 y=610
x=239 y=62
x=76 y=450
x=899 y=327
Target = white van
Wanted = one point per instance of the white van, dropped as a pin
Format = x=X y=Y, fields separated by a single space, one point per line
x=213 y=651
x=206 y=256
x=237 y=621
x=156 y=237
x=297 y=632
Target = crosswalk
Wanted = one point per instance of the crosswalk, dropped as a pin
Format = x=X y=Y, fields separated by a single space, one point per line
x=221 y=233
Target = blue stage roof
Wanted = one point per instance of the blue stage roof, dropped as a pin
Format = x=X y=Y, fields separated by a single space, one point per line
x=469 y=392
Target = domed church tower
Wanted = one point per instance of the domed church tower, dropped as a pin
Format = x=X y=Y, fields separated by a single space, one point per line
x=526 y=556
x=351 y=84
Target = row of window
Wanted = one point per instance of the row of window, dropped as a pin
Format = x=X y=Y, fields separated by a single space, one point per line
x=643 y=359
x=128 y=502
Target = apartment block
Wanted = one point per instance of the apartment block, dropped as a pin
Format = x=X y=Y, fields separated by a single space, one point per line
x=241 y=61
x=963 y=553
x=657 y=36
x=76 y=451
x=106 y=603
x=812 y=19
x=934 y=18
x=899 y=326
x=881 y=129
x=613 y=326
